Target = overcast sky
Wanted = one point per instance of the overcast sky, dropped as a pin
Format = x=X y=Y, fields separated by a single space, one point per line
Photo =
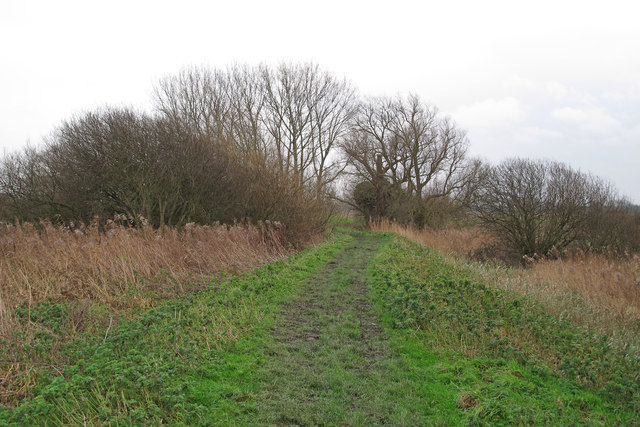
x=546 y=79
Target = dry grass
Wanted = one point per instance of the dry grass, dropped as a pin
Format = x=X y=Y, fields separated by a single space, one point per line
x=610 y=286
x=122 y=267
x=101 y=275
x=457 y=242
x=592 y=290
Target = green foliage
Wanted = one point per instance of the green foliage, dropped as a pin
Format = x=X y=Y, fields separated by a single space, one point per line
x=48 y=313
x=364 y=196
x=298 y=341
x=515 y=362
x=167 y=365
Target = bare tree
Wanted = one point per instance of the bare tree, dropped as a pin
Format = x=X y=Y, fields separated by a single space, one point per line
x=246 y=99
x=196 y=100
x=434 y=149
x=118 y=161
x=332 y=110
x=373 y=148
x=30 y=187
x=536 y=206
x=307 y=112
x=405 y=148
x=295 y=114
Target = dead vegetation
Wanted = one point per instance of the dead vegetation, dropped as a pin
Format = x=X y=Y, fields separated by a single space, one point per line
x=451 y=241
x=122 y=267
x=592 y=289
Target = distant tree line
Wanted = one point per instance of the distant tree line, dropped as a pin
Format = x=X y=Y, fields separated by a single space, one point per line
x=254 y=143
x=284 y=143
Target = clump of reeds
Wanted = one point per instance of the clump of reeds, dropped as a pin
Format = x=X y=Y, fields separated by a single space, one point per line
x=106 y=263
x=600 y=291
x=609 y=282
x=102 y=272
x=451 y=241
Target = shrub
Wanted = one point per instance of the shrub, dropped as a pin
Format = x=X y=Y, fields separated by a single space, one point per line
x=539 y=208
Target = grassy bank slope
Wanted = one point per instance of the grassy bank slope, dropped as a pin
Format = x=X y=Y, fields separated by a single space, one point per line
x=178 y=363
x=367 y=329
x=511 y=361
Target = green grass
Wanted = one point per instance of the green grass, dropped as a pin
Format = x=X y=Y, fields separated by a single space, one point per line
x=183 y=362
x=511 y=362
x=330 y=363
x=367 y=329
x=346 y=221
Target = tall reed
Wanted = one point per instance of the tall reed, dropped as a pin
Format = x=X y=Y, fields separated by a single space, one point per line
x=93 y=276
x=122 y=267
x=595 y=290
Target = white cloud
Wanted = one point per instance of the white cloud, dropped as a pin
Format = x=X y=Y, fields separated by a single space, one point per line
x=490 y=113
x=536 y=135
x=592 y=119
x=523 y=85
x=517 y=82
x=630 y=93
x=557 y=90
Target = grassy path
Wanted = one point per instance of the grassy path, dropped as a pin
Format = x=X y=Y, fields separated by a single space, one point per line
x=366 y=329
x=329 y=362
x=387 y=333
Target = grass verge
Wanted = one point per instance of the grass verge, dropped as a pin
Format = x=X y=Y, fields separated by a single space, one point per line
x=56 y=284
x=601 y=293
x=512 y=362
x=177 y=363
x=367 y=329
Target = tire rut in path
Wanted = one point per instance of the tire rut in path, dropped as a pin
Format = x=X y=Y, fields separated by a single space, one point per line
x=328 y=352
